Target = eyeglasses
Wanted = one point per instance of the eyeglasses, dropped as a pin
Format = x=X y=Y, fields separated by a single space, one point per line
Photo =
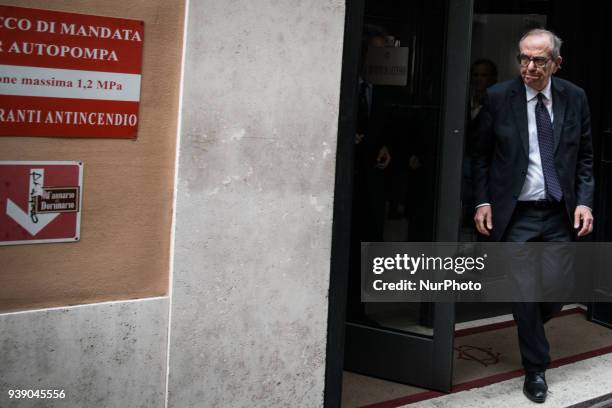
x=539 y=62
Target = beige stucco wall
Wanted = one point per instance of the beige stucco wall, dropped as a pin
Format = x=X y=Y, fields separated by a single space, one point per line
x=127 y=188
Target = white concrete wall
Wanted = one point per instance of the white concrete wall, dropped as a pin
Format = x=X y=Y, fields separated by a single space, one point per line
x=102 y=355
x=254 y=203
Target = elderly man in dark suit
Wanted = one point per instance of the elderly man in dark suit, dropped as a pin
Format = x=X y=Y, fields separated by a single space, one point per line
x=533 y=176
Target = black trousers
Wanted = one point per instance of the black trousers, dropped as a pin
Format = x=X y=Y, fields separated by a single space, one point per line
x=538 y=224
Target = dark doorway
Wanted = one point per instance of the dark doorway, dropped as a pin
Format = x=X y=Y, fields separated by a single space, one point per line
x=418 y=193
x=411 y=60
x=396 y=161
x=427 y=199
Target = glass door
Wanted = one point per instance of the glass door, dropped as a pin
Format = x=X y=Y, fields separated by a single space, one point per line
x=416 y=196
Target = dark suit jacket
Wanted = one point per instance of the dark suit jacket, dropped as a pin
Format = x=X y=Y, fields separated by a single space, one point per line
x=374 y=128
x=501 y=157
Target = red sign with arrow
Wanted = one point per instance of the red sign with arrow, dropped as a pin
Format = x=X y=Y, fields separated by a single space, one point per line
x=40 y=201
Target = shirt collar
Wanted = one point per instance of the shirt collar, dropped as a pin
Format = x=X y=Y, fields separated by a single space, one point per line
x=532 y=93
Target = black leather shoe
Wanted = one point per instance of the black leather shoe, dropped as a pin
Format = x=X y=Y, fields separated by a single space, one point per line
x=535 y=387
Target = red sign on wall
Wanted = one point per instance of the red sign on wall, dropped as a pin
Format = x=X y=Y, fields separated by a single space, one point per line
x=69 y=75
x=40 y=201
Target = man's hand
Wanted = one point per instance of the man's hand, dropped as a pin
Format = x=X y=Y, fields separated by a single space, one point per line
x=383 y=158
x=583 y=219
x=484 y=219
x=358 y=137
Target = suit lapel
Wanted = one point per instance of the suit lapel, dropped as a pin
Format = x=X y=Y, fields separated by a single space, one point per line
x=559 y=100
x=518 y=96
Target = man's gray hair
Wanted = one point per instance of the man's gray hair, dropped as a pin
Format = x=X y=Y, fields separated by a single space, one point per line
x=555 y=41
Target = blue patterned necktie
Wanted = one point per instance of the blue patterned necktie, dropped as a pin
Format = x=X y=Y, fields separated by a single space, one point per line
x=546 y=143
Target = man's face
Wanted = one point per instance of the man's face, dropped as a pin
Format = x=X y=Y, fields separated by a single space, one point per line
x=534 y=76
x=482 y=77
x=374 y=42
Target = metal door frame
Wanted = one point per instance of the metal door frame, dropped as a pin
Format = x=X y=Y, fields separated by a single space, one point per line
x=433 y=356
